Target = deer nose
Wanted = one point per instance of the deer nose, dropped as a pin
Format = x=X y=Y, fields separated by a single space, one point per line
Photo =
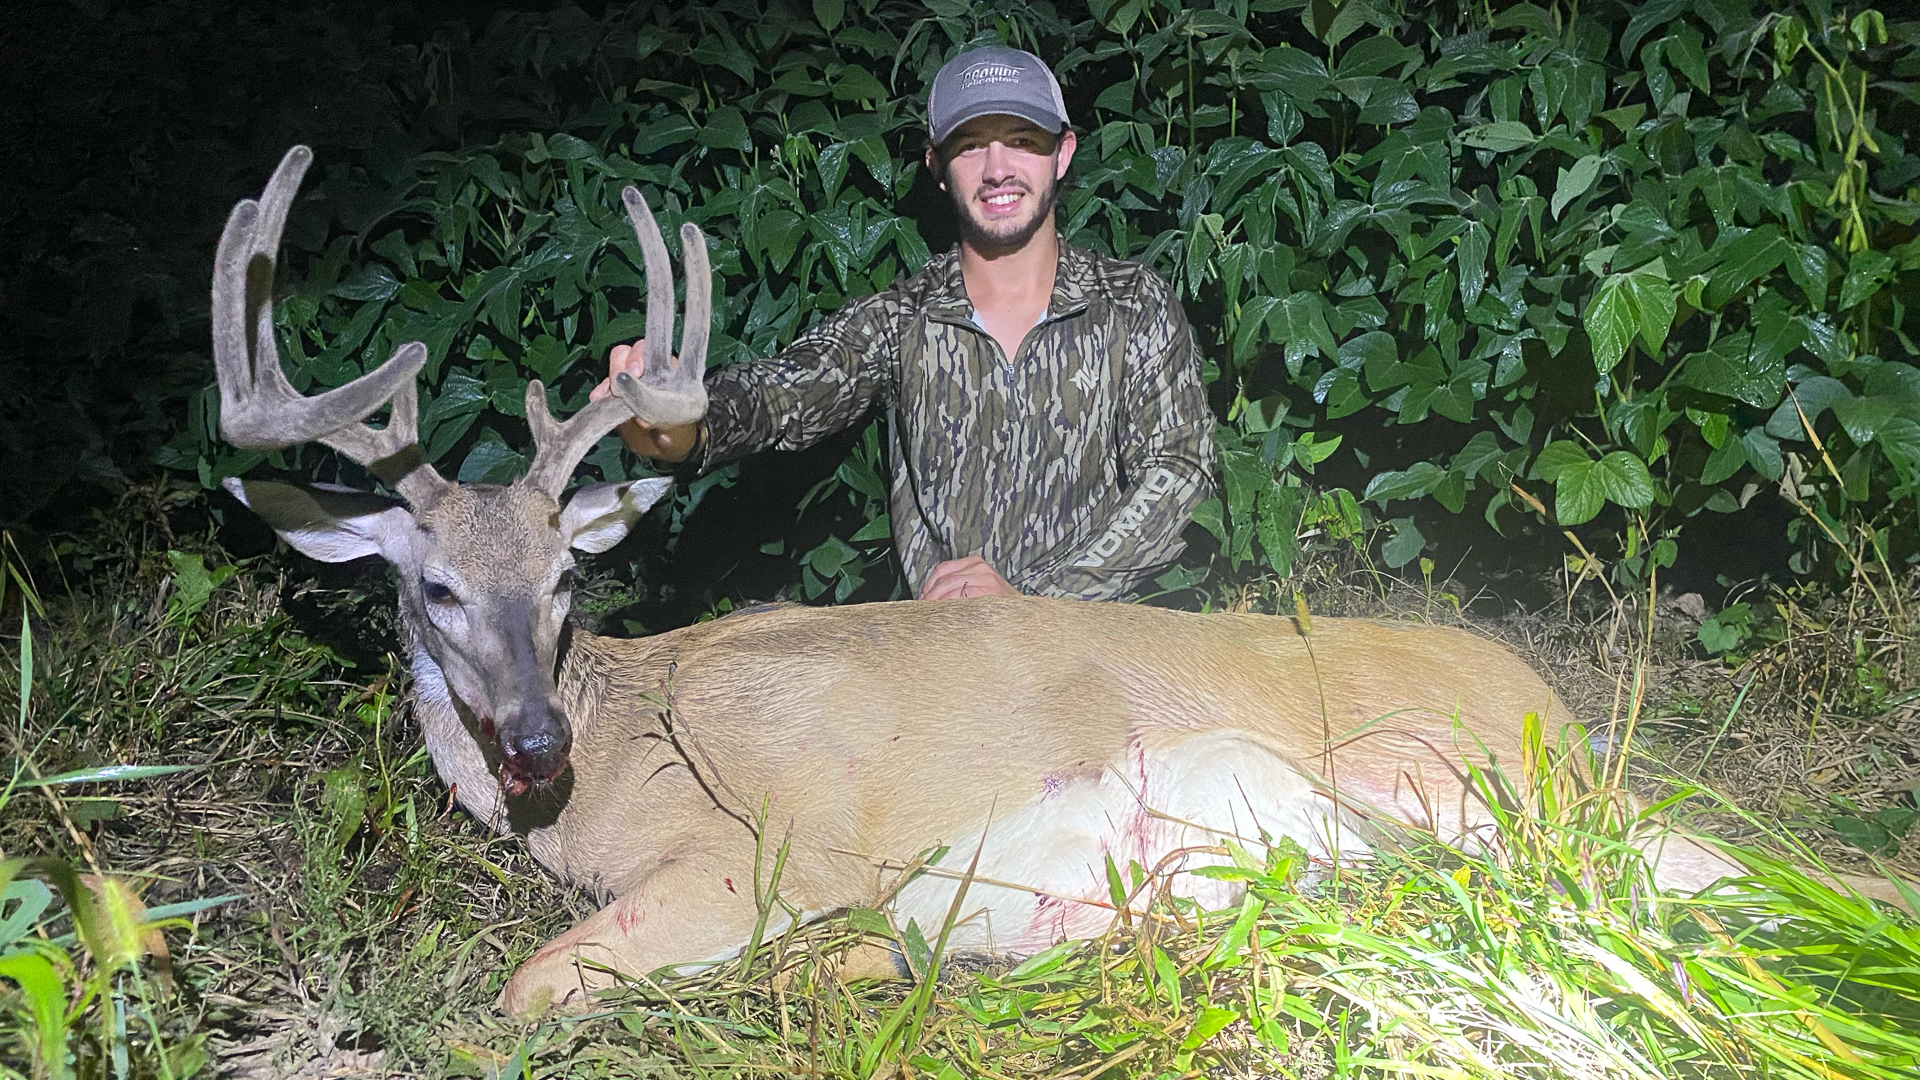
x=537 y=747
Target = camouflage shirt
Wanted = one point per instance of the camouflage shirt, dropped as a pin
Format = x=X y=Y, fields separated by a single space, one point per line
x=1071 y=467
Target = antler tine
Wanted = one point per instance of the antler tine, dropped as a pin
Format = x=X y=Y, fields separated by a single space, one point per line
x=653 y=252
x=558 y=447
x=693 y=331
x=259 y=409
x=668 y=393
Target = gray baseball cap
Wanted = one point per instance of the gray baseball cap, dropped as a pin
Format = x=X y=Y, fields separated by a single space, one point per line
x=994 y=81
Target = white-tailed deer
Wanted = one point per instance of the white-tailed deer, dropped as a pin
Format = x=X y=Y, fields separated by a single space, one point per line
x=1064 y=732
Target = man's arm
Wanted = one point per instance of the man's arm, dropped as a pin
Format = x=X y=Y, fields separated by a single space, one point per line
x=817 y=386
x=1166 y=448
x=821 y=384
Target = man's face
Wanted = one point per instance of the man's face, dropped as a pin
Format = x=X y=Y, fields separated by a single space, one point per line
x=1003 y=173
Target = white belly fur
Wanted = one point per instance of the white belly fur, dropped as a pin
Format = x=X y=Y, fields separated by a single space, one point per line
x=1168 y=795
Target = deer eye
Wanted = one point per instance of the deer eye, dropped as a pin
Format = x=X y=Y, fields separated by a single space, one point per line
x=437 y=593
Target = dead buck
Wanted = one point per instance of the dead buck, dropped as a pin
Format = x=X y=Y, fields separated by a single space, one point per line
x=868 y=734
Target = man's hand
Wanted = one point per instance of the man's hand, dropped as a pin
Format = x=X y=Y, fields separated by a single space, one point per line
x=668 y=444
x=957 y=579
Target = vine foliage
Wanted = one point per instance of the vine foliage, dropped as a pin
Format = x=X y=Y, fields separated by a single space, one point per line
x=1594 y=268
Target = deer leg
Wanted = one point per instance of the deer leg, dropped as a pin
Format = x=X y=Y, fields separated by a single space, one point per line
x=680 y=914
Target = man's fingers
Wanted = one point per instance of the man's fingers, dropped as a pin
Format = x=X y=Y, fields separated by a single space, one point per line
x=968 y=577
x=947 y=573
x=628 y=358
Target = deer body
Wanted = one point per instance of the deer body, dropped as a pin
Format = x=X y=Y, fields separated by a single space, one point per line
x=1060 y=730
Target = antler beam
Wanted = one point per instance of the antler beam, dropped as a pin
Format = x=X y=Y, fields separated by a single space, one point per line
x=259 y=409
x=669 y=391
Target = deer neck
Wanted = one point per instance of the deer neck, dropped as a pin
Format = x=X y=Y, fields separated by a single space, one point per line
x=451 y=742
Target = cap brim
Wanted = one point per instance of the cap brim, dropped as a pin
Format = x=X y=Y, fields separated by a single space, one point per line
x=1025 y=110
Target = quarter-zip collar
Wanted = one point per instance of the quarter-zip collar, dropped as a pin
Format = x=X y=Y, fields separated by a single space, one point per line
x=1073 y=280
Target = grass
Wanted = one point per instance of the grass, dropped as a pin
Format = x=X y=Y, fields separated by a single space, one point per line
x=325 y=912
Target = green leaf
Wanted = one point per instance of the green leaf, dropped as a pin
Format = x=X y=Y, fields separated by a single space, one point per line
x=1573 y=183
x=1732 y=369
x=369 y=283
x=1624 y=480
x=1316 y=448
x=564 y=147
x=1863 y=417
x=1866 y=835
x=1043 y=964
x=1373 y=349
x=878 y=529
x=1416 y=480
x=1744 y=261
x=1212 y=1021
x=1725 y=629
x=343 y=804
x=828 y=13
x=1611 y=321
x=1789 y=37
x=1867 y=272
x=1558 y=457
x=858 y=84
x=869 y=921
x=1300 y=323
x=1577 y=495
x=1899 y=439
x=726 y=129
x=1502 y=135
x=833 y=554
x=1405 y=545
x=1648 y=17
x=1653 y=307
x=1724 y=462
x=1470 y=262
x=1382 y=101
x=27 y=898
x=46 y=994
x=1276 y=518
x=1763 y=453
x=193 y=585
x=492 y=461
x=1812 y=397
x=1683 y=48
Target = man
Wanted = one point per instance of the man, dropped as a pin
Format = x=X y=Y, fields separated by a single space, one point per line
x=1050 y=434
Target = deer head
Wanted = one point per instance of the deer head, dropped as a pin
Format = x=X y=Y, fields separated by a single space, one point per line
x=485 y=569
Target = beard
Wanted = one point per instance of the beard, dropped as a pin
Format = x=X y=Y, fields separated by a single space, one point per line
x=999 y=238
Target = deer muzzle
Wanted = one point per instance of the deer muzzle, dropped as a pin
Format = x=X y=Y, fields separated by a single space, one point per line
x=534 y=743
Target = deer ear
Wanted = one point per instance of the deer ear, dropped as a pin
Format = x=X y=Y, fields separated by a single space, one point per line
x=328 y=523
x=600 y=515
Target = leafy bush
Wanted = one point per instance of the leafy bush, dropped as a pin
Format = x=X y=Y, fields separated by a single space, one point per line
x=1602 y=271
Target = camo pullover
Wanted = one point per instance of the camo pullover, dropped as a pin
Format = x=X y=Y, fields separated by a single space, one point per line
x=1071 y=468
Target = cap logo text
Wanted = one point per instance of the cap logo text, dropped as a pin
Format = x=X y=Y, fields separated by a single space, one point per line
x=981 y=74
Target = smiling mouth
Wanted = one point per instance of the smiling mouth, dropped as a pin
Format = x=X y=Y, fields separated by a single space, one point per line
x=1002 y=201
